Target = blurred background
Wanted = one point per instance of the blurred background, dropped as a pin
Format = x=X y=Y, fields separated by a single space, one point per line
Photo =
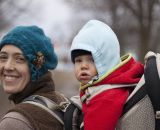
x=136 y=23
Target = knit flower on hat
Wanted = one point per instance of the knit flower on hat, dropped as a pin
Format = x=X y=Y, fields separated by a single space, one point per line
x=39 y=61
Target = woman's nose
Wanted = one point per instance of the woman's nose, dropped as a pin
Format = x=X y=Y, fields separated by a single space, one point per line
x=9 y=65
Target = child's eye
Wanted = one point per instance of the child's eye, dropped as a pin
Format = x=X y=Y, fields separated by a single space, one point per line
x=91 y=60
x=77 y=60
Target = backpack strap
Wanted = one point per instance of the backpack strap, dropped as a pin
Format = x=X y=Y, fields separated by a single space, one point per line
x=91 y=92
x=47 y=105
x=152 y=78
x=137 y=88
x=136 y=95
x=73 y=117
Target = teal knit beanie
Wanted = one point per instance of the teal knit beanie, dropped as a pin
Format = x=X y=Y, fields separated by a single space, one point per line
x=36 y=47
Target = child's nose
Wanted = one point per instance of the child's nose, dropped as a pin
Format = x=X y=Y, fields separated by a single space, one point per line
x=84 y=65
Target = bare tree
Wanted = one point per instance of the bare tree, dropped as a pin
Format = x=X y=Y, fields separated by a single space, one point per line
x=145 y=13
x=136 y=22
x=10 y=10
x=3 y=22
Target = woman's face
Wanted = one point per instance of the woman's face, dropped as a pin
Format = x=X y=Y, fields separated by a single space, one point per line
x=14 y=69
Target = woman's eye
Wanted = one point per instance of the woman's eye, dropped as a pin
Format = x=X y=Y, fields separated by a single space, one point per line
x=3 y=57
x=20 y=60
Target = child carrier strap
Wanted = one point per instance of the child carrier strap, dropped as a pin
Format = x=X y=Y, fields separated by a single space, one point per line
x=91 y=92
x=138 y=93
x=73 y=117
x=67 y=113
x=48 y=105
x=152 y=77
x=138 y=113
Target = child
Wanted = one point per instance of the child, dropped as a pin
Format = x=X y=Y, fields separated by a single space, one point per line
x=106 y=78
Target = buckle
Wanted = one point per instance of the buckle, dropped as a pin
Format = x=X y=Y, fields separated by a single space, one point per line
x=157 y=114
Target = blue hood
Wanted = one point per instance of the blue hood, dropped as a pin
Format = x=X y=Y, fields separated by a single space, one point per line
x=98 y=38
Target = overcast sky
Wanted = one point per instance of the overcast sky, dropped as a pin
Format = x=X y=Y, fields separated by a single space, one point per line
x=48 y=14
x=53 y=16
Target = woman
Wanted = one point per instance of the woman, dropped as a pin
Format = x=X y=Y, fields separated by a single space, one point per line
x=26 y=56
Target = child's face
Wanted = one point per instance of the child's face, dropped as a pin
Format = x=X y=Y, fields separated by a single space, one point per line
x=84 y=68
